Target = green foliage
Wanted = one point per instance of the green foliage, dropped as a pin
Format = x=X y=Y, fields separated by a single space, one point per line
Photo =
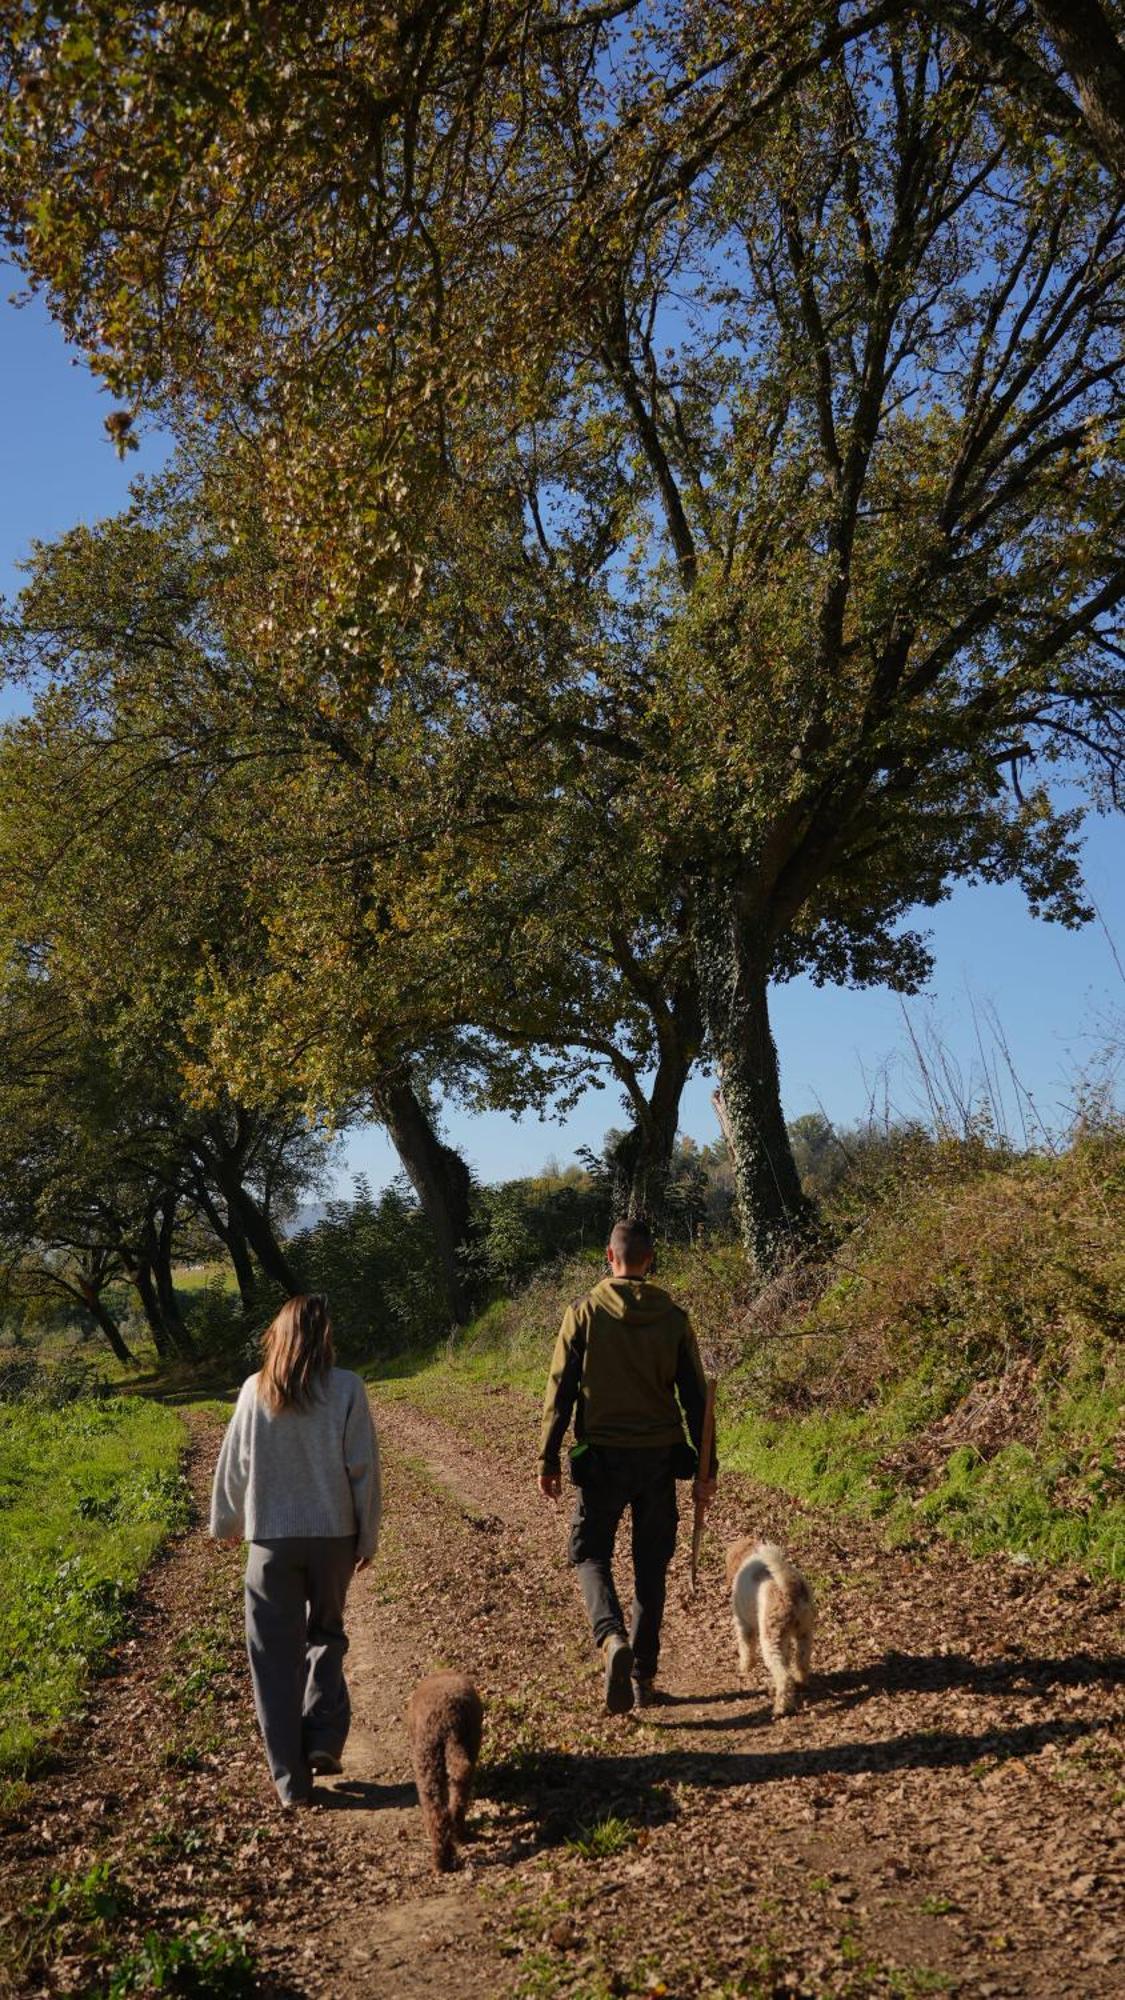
x=88 y=1912
x=525 y=1224
x=220 y=1328
x=374 y=1258
x=95 y=1898
x=822 y=1156
x=203 y=1960
x=87 y=1493
x=540 y=682
x=85 y=1906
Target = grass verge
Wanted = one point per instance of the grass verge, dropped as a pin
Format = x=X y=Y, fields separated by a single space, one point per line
x=957 y=1366
x=87 y=1495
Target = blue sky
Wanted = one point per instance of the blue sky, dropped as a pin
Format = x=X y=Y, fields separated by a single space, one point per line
x=1058 y=995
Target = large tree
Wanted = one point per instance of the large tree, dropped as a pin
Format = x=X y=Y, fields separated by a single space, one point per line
x=737 y=418
x=113 y=904
x=475 y=934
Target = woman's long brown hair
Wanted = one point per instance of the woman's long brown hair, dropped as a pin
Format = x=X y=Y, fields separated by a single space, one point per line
x=296 y=1351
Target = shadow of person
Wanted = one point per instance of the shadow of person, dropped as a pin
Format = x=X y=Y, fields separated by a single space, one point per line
x=711 y=1700
x=757 y=1714
x=364 y=1795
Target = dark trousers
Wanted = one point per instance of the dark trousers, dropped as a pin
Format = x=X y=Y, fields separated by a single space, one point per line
x=642 y=1480
x=295 y=1592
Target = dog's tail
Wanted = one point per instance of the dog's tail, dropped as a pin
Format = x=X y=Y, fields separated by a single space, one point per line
x=777 y=1563
x=783 y=1573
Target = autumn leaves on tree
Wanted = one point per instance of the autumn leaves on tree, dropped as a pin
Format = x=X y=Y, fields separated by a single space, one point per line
x=647 y=516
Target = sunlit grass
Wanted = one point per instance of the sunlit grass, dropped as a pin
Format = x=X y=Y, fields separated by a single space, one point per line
x=87 y=1494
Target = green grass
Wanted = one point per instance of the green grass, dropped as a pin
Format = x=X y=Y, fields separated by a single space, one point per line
x=198 y=1277
x=87 y=1495
x=603 y=1838
x=1058 y=1497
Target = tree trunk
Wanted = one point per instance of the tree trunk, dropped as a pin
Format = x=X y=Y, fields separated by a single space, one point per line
x=143 y=1263
x=98 y=1310
x=140 y=1275
x=233 y=1240
x=440 y=1179
x=733 y=958
x=239 y=1252
x=256 y=1230
x=167 y=1301
x=642 y=1160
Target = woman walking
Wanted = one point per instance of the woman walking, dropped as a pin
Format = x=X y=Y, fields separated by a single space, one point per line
x=298 y=1478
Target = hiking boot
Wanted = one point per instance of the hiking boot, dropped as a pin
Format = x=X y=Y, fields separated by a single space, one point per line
x=323 y=1764
x=644 y=1691
x=618 y=1674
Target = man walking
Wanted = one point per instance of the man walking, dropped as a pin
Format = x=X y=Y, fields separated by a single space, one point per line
x=626 y=1365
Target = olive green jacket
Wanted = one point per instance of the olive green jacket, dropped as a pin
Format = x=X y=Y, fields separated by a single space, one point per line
x=626 y=1365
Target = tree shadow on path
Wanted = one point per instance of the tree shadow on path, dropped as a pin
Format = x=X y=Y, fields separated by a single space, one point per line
x=912 y=1673
x=947 y=1673
x=561 y=1792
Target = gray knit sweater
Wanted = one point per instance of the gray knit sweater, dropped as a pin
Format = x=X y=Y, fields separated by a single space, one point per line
x=311 y=1471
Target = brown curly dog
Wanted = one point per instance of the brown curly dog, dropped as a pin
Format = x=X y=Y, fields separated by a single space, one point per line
x=444 y=1718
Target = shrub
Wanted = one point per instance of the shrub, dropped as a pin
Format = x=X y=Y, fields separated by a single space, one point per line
x=376 y=1262
x=220 y=1328
x=45 y=1385
x=523 y=1225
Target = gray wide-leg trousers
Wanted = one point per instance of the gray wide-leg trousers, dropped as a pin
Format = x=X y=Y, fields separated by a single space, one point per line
x=295 y=1592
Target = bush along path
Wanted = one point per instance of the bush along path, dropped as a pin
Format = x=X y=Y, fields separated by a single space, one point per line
x=939 y=1817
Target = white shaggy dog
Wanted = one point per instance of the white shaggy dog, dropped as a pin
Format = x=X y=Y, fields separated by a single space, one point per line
x=773 y=1604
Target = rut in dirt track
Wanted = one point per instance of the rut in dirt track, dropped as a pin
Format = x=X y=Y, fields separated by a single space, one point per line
x=943 y=1814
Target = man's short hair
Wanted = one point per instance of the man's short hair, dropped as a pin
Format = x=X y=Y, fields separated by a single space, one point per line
x=630 y=1239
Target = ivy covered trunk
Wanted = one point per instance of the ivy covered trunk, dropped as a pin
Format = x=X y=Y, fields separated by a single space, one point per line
x=440 y=1179
x=733 y=960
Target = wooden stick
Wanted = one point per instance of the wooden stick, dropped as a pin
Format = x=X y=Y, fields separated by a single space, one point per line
x=703 y=1471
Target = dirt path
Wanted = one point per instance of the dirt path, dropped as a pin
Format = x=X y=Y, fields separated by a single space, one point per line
x=944 y=1815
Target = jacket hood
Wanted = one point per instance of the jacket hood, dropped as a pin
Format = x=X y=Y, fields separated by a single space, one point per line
x=633 y=1300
